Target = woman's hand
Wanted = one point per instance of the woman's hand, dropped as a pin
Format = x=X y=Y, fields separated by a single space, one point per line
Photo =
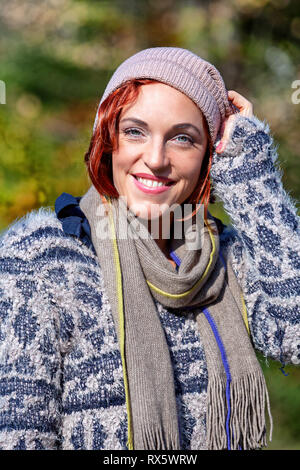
x=245 y=109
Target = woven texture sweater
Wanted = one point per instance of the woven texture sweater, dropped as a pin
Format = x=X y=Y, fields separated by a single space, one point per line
x=61 y=381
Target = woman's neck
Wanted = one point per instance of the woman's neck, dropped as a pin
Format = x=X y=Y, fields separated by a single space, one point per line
x=165 y=247
x=164 y=240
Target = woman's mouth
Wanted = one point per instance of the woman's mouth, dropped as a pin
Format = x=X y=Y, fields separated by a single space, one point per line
x=151 y=186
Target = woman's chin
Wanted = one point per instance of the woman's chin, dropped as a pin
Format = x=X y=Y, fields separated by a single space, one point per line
x=150 y=211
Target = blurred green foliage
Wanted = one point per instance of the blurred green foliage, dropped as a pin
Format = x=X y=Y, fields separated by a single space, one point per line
x=56 y=57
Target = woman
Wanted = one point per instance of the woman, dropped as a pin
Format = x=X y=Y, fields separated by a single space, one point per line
x=114 y=338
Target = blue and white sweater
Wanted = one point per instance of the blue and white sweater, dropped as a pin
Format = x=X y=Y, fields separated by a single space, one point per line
x=61 y=381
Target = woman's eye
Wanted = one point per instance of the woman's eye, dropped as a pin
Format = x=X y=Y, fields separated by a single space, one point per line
x=132 y=132
x=185 y=139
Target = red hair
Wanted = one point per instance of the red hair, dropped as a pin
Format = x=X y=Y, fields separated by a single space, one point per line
x=98 y=158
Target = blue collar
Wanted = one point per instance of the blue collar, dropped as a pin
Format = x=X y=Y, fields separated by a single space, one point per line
x=73 y=220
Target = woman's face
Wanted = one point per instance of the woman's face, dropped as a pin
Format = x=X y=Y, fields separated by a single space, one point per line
x=162 y=135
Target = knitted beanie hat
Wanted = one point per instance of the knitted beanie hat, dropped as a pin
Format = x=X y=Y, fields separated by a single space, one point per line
x=183 y=70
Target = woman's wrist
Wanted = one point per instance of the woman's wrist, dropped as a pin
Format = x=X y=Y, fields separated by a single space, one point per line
x=248 y=135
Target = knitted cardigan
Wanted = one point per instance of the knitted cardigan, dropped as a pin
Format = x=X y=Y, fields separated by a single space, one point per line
x=61 y=376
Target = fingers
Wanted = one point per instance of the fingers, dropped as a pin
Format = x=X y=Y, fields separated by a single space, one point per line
x=244 y=106
x=245 y=109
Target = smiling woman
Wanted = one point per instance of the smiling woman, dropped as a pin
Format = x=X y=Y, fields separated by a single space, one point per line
x=136 y=96
x=158 y=150
x=161 y=137
x=112 y=338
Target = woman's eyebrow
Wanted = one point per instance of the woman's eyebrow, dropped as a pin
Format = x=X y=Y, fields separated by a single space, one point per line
x=181 y=125
x=186 y=125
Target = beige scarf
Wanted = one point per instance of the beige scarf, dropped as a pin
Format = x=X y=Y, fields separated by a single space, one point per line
x=135 y=273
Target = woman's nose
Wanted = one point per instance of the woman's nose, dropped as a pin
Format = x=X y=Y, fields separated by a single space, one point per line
x=155 y=156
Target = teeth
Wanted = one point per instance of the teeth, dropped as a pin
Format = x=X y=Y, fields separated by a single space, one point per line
x=150 y=183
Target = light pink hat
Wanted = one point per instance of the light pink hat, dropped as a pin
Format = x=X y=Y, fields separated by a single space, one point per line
x=183 y=70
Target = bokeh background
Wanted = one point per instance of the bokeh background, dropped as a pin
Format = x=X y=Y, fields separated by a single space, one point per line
x=56 y=57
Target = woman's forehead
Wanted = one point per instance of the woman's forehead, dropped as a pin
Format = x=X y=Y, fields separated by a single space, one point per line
x=164 y=100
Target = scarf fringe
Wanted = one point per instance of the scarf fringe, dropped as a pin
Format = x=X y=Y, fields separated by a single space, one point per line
x=247 y=424
x=156 y=439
